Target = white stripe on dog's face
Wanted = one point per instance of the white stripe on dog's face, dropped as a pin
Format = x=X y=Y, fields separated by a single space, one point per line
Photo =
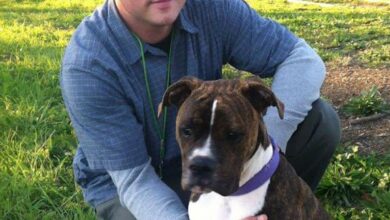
x=205 y=150
x=213 y=113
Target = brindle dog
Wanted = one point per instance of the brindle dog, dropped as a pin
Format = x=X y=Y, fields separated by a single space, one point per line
x=224 y=142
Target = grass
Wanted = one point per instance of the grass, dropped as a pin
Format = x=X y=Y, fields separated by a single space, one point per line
x=356 y=186
x=368 y=103
x=359 y=33
x=37 y=142
x=356 y=2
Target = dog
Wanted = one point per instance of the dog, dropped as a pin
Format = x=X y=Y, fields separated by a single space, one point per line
x=229 y=163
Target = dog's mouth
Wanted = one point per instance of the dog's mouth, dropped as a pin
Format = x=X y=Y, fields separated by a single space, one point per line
x=204 y=174
x=196 y=184
x=200 y=189
x=206 y=185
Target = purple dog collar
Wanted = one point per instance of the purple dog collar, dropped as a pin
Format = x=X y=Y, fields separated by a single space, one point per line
x=263 y=175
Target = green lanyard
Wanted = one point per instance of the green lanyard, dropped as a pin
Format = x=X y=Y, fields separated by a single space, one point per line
x=160 y=131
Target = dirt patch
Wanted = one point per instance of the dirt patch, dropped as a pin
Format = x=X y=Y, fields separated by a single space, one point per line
x=343 y=83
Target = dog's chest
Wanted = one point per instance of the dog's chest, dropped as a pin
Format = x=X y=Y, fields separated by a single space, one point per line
x=214 y=206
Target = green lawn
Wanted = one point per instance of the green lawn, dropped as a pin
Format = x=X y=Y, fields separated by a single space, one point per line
x=37 y=142
x=356 y=2
x=361 y=33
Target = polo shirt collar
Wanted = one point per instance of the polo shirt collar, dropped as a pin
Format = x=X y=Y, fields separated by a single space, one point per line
x=124 y=36
x=185 y=23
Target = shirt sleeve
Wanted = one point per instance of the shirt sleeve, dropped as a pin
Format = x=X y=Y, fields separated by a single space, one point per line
x=266 y=48
x=140 y=190
x=251 y=42
x=297 y=84
x=105 y=122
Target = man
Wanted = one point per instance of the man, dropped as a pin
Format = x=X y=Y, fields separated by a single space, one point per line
x=116 y=69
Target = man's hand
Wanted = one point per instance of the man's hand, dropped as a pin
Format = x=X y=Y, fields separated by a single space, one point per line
x=260 y=217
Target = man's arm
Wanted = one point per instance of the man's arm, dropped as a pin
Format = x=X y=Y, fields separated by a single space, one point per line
x=297 y=84
x=264 y=47
x=142 y=192
x=112 y=139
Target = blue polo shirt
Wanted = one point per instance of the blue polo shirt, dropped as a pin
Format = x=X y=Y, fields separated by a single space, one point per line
x=104 y=91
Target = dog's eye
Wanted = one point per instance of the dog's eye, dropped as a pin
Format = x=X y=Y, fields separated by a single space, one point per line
x=187 y=132
x=234 y=136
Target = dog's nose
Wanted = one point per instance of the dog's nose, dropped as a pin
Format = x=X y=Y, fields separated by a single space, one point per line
x=202 y=165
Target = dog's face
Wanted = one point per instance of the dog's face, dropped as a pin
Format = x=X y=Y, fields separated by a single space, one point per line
x=218 y=127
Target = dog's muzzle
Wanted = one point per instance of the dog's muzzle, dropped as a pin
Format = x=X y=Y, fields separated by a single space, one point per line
x=200 y=173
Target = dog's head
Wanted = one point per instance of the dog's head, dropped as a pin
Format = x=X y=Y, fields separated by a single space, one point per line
x=219 y=126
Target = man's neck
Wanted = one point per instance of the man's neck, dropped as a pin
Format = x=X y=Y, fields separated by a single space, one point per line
x=148 y=33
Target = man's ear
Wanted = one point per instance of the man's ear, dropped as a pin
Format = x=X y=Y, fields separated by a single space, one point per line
x=260 y=95
x=178 y=92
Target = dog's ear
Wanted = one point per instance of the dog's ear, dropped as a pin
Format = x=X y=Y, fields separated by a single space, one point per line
x=260 y=95
x=178 y=92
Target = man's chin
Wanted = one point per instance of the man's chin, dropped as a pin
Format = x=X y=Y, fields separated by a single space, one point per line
x=163 y=18
x=166 y=20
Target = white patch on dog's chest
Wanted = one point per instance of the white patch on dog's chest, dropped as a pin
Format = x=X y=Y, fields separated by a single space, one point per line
x=213 y=206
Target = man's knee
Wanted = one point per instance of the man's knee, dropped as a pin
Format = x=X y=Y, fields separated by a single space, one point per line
x=312 y=145
x=329 y=123
x=318 y=133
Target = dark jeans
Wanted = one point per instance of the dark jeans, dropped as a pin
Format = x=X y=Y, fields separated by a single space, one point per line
x=309 y=150
x=312 y=145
